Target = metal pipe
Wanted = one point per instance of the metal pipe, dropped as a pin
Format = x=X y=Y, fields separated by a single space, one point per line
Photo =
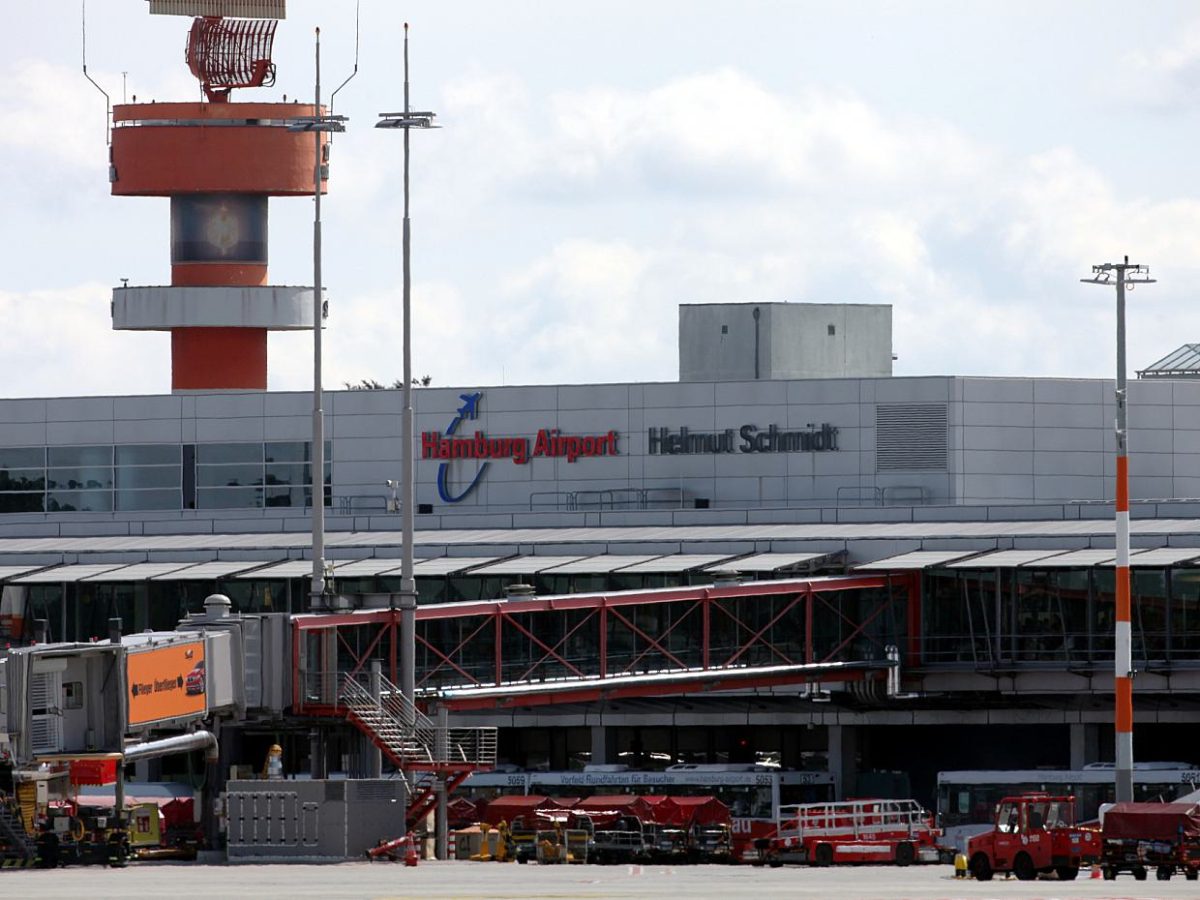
x=179 y=743
x=107 y=99
x=757 y=313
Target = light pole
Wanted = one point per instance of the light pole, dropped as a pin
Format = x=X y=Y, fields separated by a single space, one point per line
x=317 y=123
x=407 y=120
x=1122 y=274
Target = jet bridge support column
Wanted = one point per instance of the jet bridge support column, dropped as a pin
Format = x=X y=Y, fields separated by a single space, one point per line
x=372 y=755
x=843 y=759
x=1085 y=744
x=441 y=825
x=604 y=745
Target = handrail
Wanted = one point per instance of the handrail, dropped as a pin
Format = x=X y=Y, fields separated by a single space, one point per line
x=609 y=498
x=874 y=494
x=410 y=735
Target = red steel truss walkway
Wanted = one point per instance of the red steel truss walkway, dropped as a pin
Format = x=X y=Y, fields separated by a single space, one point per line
x=581 y=647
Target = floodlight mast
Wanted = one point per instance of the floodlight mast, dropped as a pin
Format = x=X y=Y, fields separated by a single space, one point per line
x=407 y=120
x=1121 y=275
x=317 y=124
x=317 y=587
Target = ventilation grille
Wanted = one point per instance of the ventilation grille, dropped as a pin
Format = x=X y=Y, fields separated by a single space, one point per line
x=910 y=437
x=378 y=791
x=45 y=734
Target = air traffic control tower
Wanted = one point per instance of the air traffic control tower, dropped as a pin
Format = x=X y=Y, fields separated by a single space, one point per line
x=218 y=161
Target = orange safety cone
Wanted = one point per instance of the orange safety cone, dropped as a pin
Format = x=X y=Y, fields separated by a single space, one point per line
x=410 y=850
x=1096 y=873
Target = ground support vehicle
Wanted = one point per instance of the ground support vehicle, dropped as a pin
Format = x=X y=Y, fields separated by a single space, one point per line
x=711 y=843
x=666 y=843
x=620 y=827
x=752 y=793
x=1033 y=833
x=621 y=840
x=563 y=845
x=17 y=847
x=1160 y=836
x=552 y=835
x=966 y=800
x=855 y=831
x=81 y=836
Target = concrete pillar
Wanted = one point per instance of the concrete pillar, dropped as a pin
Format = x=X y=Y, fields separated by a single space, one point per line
x=1085 y=744
x=216 y=775
x=604 y=745
x=442 y=846
x=316 y=754
x=842 y=754
x=372 y=755
x=441 y=820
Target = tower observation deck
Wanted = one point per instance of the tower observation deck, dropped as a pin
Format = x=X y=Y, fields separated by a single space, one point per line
x=219 y=162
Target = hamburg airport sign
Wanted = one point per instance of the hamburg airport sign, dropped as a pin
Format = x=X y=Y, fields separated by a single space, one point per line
x=549 y=443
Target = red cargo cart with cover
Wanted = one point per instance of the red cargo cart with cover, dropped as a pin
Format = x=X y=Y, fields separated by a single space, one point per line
x=1163 y=836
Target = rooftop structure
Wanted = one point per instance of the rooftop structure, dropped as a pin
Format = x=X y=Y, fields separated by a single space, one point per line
x=218 y=162
x=1181 y=363
x=755 y=341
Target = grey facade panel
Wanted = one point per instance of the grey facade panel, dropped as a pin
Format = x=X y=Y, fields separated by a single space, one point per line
x=1004 y=441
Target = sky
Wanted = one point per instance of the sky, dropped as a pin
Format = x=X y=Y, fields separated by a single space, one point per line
x=600 y=163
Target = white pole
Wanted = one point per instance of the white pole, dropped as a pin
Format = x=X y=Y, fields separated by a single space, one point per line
x=318 y=414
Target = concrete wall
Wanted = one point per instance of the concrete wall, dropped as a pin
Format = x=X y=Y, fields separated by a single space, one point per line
x=720 y=342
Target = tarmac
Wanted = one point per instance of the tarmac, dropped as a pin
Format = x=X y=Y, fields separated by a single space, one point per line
x=497 y=880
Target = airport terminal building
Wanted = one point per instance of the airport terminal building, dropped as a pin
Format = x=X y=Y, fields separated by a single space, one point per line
x=975 y=513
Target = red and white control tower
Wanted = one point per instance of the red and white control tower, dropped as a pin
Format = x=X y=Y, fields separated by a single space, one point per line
x=218 y=161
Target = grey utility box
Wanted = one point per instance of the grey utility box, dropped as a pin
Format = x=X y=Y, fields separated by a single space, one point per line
x=311 y=820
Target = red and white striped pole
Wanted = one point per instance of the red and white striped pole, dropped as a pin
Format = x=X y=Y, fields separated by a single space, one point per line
x=1122 y=274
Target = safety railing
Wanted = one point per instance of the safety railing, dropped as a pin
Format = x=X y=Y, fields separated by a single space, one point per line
x=614 y=498
x=853 y=819
x=411 y=737
x=905 y=495
x=353 y=503
x=859 y=496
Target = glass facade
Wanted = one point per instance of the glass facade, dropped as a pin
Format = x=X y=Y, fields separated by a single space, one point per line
x=140 y=477
x=1031 y=616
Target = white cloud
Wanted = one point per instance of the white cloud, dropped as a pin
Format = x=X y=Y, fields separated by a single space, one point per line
x=1166 y=76
x=60 y=343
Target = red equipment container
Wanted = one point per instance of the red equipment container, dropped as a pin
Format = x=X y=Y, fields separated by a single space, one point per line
x=1165 y=836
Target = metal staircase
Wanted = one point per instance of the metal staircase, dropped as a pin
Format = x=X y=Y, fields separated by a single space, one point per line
x=409 y=738
x=15 y=842
x=424 y=792
x=428 y=752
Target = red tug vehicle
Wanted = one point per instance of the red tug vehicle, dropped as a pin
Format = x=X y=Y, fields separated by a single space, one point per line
x=1034 y=834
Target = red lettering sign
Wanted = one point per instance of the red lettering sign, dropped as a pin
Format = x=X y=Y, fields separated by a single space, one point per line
x=550 y=442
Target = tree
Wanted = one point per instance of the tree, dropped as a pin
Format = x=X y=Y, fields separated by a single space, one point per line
x=370 y=384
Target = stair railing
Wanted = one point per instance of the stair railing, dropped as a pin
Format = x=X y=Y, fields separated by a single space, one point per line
x=410 y=734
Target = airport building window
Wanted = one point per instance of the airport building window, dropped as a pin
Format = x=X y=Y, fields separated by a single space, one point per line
x=79 y=501
x=142 y=477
